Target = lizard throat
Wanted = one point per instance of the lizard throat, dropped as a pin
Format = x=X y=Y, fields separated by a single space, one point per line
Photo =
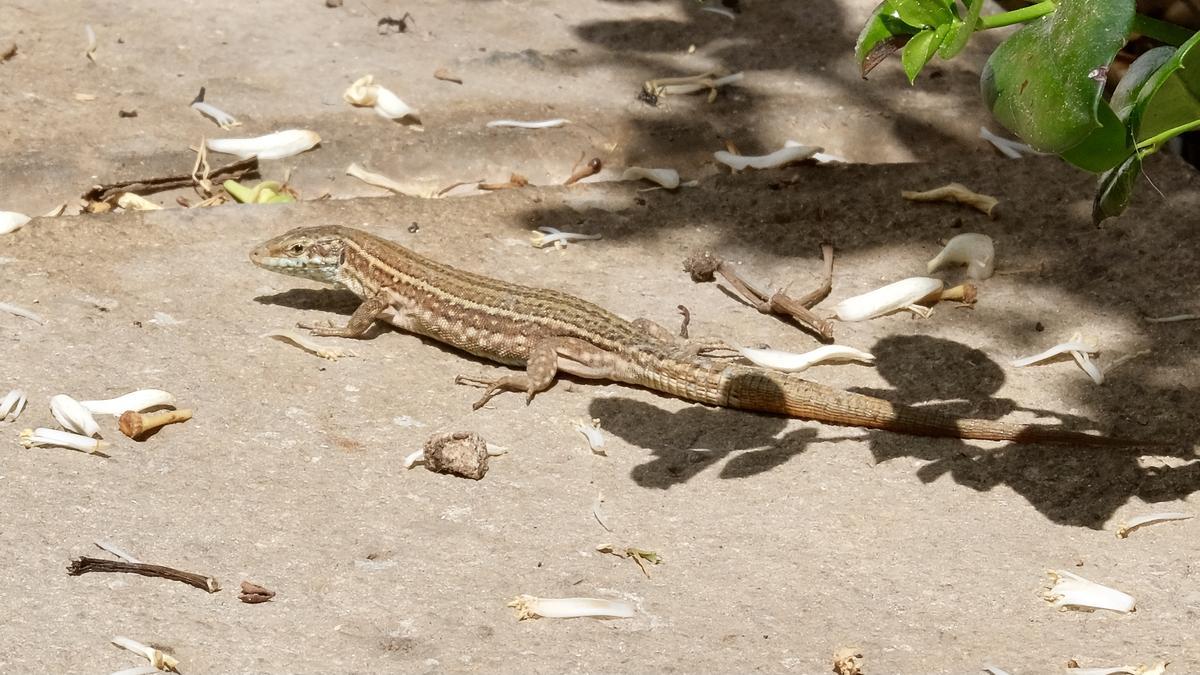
x=316 y=269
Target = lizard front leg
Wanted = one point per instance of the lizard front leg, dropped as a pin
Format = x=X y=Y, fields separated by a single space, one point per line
x=585 y=360
x=359 y=322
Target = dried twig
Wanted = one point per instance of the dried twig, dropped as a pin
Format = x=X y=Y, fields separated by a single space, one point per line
x=703 y=266
x=515 y=180
x=84 y=565
x=590 y=169
x=235 y=171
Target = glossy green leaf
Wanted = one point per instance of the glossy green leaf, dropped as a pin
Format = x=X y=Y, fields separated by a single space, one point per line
x=882 y=35
x=1169 y=102
x=924 y=13
x=1115 y=189
x=1135 y=78
x=920 y=49
x=1045 y=82
x=960 y=31
x=1107 y=146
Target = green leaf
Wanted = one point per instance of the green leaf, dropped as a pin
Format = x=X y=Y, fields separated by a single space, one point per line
x=1169 y=102
x=1135 y=78
x=920 y=49
x=1115 y=189
x=882 y=35
x=1045 y=82
x=924 y=13
x=960 y=31
x=1107 y=146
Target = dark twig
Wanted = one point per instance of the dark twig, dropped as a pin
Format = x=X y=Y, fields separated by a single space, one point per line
x=84 y=565
x=235 y=171
x=703 y=266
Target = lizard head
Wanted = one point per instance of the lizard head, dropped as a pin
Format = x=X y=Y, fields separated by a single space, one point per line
x=309 y=252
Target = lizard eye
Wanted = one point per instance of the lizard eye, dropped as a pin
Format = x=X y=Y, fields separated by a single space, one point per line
x=296 y=249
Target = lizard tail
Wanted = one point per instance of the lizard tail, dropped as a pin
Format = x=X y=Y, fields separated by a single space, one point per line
x=765 y=391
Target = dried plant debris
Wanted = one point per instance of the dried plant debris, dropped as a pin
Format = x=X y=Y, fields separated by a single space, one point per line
x=16 y=310
x=138 y=401
x=104 y=193
x=1071 y=591
x=159 y=659
x=847 y=661
x=640 y=556
x=791 y=362
x=956 y=193
x=710 y=81
x=222 y=118
x=704 y=266
x=365 y=93
x=328 y=352
x=790 y=152
x=254 y=594
x=458 y=453
x=1136 y=522
x=445 y=75
x=12 y=405
x=532 y=124
x=85 y=565
x=11 y=221
x=904 y=294
x=530 y=607
x=137 y=425
x=278 y=145
x=42 y=437
x=976 y=251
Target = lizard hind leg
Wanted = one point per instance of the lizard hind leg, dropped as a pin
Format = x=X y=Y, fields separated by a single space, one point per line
x=583 y=359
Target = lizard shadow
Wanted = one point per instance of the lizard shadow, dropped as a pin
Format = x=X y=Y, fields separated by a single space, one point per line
x=688 y=441
x=1070 y=485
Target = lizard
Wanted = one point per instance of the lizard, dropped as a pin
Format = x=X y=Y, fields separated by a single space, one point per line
x=548 y=332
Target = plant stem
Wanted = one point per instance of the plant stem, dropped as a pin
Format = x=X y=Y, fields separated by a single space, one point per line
x=1163 y=31
x=1153 y=142
x=1016 y=16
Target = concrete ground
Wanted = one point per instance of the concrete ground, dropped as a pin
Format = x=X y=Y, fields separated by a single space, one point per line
x=783 y=540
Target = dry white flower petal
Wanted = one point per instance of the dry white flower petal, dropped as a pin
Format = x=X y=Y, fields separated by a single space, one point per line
x=364 y=92
x=157 y=658
x=972 y=249
x=1134 y=523
x=591 y=431
x=116 y=550
x=545 y=236
x=1061 y=348
x=1159 y=668
x=791 y=362
x=137 y=401
x=73 y=416
x=790 y=152
x=1071 y=591
x=994 y=670
x=61 y=439
x=530 y=607
x=222 y=118
x=518 y=124
x=890 y=298
x=134 y=202
x=272 y=146
x=21 y=312
x=668 y=178
x=12 y=405
x=11 y=221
